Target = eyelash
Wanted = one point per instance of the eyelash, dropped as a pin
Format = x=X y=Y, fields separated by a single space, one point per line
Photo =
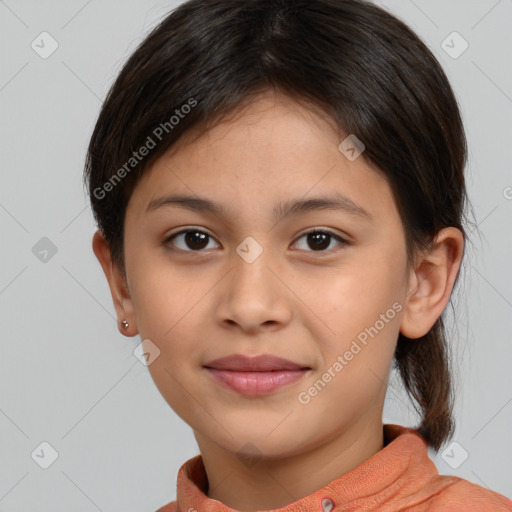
x=342 y=241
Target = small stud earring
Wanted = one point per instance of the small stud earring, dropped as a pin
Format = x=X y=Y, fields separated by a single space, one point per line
x=124 y=323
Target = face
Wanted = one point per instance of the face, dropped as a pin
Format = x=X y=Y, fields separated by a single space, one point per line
x=322 y=287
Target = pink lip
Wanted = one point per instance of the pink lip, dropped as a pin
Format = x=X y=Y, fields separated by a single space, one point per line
x=255 y=375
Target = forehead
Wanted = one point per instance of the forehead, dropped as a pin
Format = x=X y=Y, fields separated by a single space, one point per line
x=272 y=150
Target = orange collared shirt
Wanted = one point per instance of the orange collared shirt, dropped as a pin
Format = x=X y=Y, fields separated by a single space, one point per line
x=400 y=477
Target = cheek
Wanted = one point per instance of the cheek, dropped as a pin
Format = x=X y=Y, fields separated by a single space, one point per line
x=350 y=297
x=171 y=306
x=357 y=311
x=161 y=291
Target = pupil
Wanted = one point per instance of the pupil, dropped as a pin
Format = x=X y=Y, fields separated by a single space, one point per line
x=196 y=240
x=320 y=240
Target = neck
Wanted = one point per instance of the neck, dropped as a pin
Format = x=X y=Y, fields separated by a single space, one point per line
x=270 y=483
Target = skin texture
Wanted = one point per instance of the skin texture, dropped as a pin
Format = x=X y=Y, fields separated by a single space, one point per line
x=293 y=301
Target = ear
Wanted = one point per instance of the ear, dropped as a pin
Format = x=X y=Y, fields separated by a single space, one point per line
x=431 y=283
x=118 y=286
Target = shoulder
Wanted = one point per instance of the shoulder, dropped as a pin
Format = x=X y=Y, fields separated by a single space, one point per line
x=460 y=494
x=170 y=507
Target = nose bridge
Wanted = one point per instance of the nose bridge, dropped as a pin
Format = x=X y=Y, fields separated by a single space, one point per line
x=251 y=265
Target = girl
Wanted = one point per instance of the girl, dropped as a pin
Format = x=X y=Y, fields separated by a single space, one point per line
x=280 y=196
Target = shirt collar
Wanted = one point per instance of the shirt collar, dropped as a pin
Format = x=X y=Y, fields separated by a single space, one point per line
x=400 y=470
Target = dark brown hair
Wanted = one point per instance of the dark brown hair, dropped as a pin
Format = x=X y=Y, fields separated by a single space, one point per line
x=357 y=63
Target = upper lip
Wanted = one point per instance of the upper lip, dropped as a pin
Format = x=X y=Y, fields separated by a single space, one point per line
x=261 y=363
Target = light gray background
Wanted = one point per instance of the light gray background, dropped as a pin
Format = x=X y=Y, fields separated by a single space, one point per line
x=68 y=377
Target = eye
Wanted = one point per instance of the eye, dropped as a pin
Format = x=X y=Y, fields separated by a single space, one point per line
x=192 y=240
x=320 y=239
x=195 y=240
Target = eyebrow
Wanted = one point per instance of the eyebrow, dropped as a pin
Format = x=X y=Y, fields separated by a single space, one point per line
x=337 y=202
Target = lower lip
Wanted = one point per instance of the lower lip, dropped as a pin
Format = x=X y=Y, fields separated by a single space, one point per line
x=256 y=383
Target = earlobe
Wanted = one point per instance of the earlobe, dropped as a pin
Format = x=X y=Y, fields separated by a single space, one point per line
x=118 y=287
x=431 y=283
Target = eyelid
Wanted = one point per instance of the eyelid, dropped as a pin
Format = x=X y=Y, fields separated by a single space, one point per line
x=321 y=229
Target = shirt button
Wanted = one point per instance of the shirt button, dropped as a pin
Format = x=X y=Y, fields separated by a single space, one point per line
x=327 y=505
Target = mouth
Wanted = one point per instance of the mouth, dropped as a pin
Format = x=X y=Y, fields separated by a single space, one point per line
x=255 y=375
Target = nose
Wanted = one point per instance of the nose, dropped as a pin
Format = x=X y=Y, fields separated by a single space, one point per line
x=253 y=295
